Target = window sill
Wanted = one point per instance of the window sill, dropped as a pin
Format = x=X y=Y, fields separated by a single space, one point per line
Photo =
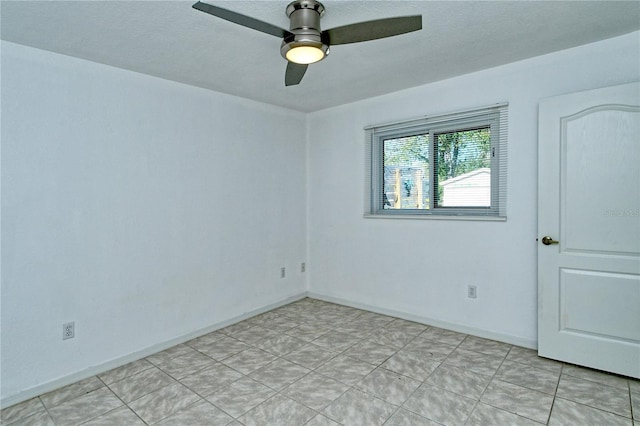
x=435 y=217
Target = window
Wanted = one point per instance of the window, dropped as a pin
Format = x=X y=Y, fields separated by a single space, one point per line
x=452 y=165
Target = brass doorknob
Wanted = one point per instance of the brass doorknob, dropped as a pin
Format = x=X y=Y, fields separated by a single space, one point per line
x=547 y=241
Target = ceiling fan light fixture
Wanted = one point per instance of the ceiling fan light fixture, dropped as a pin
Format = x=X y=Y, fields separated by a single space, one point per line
x=305 y=51
x=305 y=54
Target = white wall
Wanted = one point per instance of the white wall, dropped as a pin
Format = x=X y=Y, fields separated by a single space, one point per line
x=140 y=208
x=421 y=268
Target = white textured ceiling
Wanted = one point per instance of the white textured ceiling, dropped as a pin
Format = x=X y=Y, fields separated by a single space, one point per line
x=169 y=39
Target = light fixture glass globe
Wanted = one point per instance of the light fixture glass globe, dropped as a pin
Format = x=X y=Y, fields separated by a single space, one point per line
x=305 y=54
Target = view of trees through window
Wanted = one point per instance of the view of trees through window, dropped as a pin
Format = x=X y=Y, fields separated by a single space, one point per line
x=406 y=172
x=462 y=163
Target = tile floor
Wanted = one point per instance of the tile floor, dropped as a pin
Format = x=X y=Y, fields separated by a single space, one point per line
x=317 y=363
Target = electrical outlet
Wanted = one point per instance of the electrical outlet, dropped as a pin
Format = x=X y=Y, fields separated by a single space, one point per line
x=282 y=272
x=472 y=292
x=68 y=330
x=303 y=267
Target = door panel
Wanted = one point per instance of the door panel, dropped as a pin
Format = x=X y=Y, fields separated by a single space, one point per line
x=585 y=298
x=589 y=200
x=593 y=171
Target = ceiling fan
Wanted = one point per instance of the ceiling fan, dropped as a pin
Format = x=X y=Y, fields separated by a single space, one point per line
x=304 y=43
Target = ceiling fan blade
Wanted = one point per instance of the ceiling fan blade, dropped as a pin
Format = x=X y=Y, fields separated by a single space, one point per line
x=240 y=19
x=373 y=30
x=294 y=73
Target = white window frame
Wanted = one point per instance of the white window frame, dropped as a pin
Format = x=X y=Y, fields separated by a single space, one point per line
x=495 y=117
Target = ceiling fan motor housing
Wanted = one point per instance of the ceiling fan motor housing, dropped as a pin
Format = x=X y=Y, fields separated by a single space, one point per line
x=304 y=17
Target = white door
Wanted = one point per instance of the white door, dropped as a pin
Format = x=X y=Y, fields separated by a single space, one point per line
x=589 y=210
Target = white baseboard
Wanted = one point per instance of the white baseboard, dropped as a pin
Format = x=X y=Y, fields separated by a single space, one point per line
x=501 y=337
x=120 y=361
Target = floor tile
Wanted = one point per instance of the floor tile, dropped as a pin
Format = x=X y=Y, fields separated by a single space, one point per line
x=635 y=405
x=72 y=391
x=207 y=381
x=223 y=348
x=119 y=416
x=138 y=385
x=127 y=370
x=201 y=414
x=85 y=407
x=325 y=320
x=408 y=327
x=310 y=356
x=278 y=410
x=607 y=398
x=279 y=373
x=41 y=418
x=167 y=354
x=565 y=413
x=205 y=340
x=529 y=377
x=370 y=352
x=441 y=335
x=530 y=357
x=356 y=330
x=596 y=376
x=358 y=408
x=255 y=334
x=164 y=402
x=484 y=415
x=281 y=345
x=307 y=332
x=319 y=363
x=411 y=364
x=485 y=346
x=425 y=348
x=320 y=420
x=249 y=360
x=375 y=319
x=301 y=317
x=391 y=337
x=315 y=390
x=279 y=324
x=515 y=399
x=263 y=317
x=359 y=334
x=354 y=316
x=439 y=405
x=233 y=329
x=474 y=361
x=404 y=417
x=349 y=311
x=387 y=385
x=335 y=341
x=21 y=410
x=185 y=365
x=240 y=396
x=457 y=380
x=346 y=370
x=292 y=308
